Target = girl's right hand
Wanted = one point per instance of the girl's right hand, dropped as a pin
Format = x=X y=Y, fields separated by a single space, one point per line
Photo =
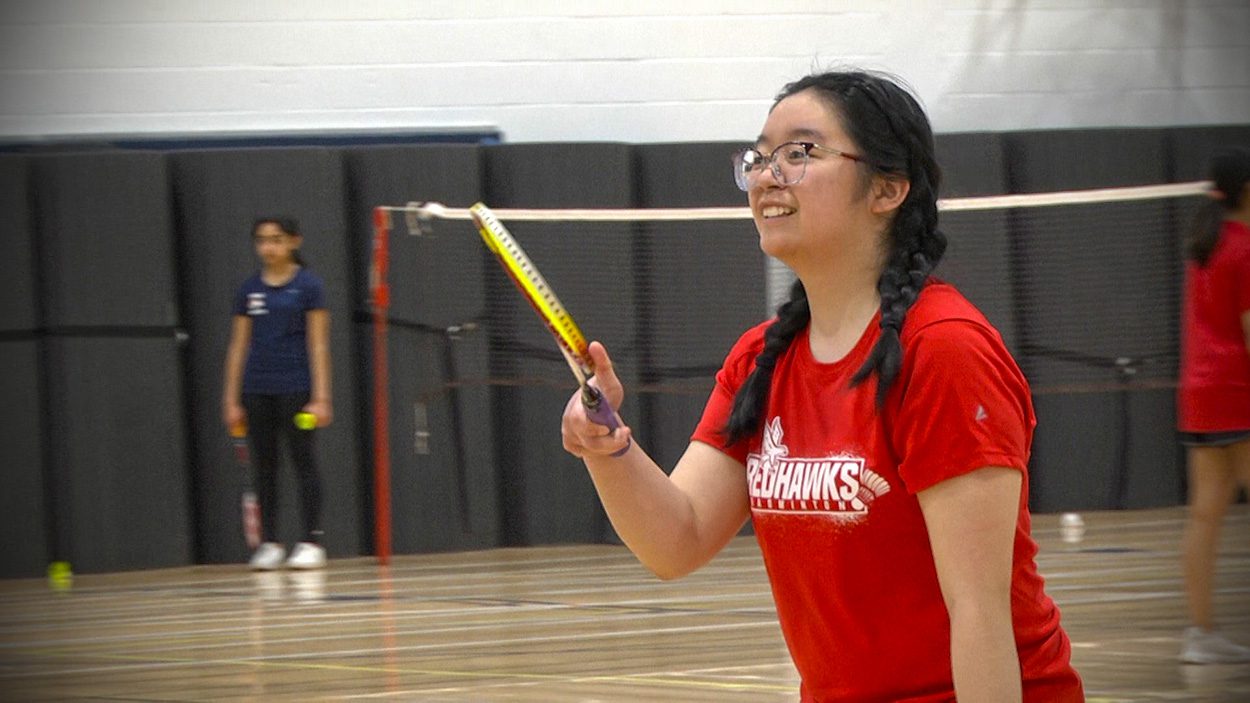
x=583 y=437
x=233 y=415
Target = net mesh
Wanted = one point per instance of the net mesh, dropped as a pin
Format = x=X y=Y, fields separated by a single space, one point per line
x=1084 y=286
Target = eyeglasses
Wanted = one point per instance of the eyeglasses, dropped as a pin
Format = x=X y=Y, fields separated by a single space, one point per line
x=788 y=162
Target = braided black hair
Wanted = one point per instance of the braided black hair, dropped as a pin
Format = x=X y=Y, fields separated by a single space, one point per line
x=892 y=133
x=1229 y=173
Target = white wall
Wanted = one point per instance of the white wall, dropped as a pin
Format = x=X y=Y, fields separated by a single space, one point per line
x=630 y=70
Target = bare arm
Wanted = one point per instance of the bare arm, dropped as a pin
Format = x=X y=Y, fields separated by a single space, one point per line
x=971 y=521
x=1245 y=329
x=320 y=402
x=232 y=387
x=673 y=524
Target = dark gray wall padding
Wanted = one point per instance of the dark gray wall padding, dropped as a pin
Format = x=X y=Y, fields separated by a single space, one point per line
x=118 y=461
x=1077 y=159
x=219 y=193
x=1096 y=451
x=444 y=492
x=114 y=428
x=447 y=174
x=1191 y=148
x=1083 y=306
x=1081 y=271
x=546 y=495
x=978 y=254
x=105 y=240
x=17 y=267
x=22 y=513
x=706 y=281
x=972 y=164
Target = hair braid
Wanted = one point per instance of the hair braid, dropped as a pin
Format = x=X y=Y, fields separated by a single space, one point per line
x=752 y=397
x=918 y=245
x=891 y=131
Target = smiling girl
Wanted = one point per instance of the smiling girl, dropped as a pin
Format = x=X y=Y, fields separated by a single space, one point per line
x=876 y=432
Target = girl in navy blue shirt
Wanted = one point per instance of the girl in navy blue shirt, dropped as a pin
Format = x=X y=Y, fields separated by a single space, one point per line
x=278 y=365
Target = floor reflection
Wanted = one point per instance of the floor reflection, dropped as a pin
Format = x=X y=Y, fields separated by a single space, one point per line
x=290 y=586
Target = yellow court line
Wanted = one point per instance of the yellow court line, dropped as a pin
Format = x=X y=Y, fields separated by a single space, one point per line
x=635 y=679
x=657 y=680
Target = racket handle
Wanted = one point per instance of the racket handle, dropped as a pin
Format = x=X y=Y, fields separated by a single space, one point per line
x=241 y=454
x=600 y=412
x=251 y=519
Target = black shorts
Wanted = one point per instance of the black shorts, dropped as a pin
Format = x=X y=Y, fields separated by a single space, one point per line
x=1213 y=439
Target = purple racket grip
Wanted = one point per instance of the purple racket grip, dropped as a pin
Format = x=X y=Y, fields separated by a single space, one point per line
x=600 y=412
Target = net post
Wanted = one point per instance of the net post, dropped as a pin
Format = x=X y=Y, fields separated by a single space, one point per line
x=380 y=301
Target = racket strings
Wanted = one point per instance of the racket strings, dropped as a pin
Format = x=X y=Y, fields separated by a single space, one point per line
x=525 y=275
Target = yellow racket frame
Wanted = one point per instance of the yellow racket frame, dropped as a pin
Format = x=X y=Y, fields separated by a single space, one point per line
x=525 y=275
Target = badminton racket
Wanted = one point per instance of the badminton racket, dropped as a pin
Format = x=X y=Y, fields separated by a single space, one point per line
x=543 y=299
x=250 y=506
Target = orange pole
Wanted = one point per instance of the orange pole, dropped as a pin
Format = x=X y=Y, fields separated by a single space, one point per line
x=381 y=302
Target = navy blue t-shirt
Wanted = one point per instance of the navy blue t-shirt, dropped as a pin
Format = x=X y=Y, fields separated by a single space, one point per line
x=277 y=360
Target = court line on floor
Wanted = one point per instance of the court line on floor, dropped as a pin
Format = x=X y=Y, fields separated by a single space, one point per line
x=282 y=662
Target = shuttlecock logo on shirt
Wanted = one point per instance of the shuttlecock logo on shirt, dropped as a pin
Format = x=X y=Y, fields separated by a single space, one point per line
x=839 y=486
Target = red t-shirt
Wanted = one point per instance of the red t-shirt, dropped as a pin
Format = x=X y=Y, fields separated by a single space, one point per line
x=1214 y=393
x=832 y=487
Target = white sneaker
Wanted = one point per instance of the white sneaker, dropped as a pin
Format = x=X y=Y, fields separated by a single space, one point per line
x=1206 y=647
x=307 y=555
x=267 y=557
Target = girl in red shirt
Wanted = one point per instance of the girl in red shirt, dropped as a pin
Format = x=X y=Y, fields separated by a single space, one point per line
x=1213 y=402
x=876 y=432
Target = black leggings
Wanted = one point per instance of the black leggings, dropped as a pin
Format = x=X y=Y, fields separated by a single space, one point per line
x=269 y=417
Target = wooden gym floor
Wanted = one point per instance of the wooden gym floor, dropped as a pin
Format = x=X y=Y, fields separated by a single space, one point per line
x=581 y=624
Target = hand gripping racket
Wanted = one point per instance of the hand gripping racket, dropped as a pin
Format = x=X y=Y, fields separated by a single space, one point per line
x=543 y=299
x=250 y=507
